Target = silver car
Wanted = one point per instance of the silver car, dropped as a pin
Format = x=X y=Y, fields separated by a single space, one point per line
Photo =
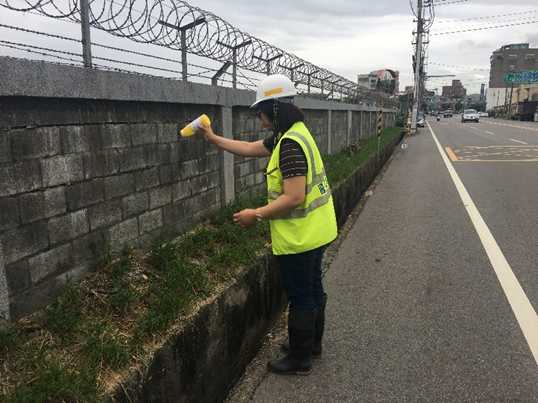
x=470 y=115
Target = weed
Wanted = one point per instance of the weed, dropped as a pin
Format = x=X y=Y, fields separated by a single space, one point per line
x=163 y=254
x=151 y=322
x=64 y=314
x=122 y=266
x=55 y=382
x=122 y=296
x=8 y=338
x=103 y=345
x=101 y=251
x=340 y=166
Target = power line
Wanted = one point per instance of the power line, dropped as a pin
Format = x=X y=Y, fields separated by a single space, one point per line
x=446 y=4
x=481 y=29
x=457 y=67
x=485 y=24
x=492 y=16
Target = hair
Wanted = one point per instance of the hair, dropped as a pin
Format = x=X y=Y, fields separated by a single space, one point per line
x=286 y=116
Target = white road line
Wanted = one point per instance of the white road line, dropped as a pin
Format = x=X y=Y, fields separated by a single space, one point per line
x=521 y=306
x=489 y=133
x=517 y=141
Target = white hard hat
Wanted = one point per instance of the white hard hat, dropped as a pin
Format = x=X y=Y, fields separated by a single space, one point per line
x=273 y=87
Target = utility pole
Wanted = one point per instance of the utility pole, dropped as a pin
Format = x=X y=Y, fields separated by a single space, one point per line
x=418 y=65
x=420 y=29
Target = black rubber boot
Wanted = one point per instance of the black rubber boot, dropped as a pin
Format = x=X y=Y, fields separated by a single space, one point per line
x=321 y=303
x=301 y=337
x=317 y=349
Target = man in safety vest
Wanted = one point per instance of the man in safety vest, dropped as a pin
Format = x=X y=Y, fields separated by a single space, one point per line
x=301 y=213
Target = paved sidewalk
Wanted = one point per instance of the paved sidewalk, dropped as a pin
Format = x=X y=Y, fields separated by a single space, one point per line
x=254 y=375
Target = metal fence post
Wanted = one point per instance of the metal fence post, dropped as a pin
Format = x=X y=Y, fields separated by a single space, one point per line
x=85 y=27
x=268 y=61
x=183 y=37
x=234 y=58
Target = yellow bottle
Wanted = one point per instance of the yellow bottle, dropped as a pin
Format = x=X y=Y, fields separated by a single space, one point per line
x=192 y=127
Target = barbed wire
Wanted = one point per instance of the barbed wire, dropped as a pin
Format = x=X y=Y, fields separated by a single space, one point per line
x=159 y=22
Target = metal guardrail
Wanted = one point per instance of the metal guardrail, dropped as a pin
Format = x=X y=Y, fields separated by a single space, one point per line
x=176 y=25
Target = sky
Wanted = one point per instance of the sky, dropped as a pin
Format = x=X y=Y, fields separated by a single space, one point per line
x=348 y=37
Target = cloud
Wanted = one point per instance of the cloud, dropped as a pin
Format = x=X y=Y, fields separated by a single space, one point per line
x=351 y=37
x=532 y=39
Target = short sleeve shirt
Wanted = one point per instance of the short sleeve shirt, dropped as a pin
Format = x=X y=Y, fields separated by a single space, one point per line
x=292 y=158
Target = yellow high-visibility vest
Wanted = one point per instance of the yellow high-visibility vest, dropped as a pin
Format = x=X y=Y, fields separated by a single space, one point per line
x=313 y=223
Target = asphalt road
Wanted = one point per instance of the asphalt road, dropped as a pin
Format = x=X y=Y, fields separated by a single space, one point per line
x=433 y=291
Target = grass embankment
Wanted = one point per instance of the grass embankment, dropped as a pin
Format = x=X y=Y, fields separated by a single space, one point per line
x=340 y=165
x=77 y=346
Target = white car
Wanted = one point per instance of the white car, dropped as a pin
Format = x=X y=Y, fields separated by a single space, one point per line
x=470 y=115
x=483 y=115
x=420 y=119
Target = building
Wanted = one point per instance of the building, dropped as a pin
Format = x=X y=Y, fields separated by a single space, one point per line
x=456 y=90
x=511 y=60
x=367 y=80
x=370 y=80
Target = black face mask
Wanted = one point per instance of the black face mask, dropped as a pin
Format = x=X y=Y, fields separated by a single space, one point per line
x=275 y=112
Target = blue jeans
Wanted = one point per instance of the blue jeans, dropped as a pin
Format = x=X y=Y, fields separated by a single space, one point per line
x=301 y=276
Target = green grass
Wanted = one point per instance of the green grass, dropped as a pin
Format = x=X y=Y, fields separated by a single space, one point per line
x=64 y=315
x=55 y=382
x=340 y=166
x=104 y=323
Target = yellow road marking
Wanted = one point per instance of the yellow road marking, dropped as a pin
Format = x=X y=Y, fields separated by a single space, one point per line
x=507 y=125
x=451 y=154
x=470 y=160
x=488 y=153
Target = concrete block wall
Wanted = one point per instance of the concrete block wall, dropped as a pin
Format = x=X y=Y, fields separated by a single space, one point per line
x=248 y=172
x=89 y=156
x=317 y=121
x=129 y=180
x=339 y=130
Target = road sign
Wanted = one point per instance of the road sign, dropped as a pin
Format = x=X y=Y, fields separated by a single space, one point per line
x=528 y=72
x=520 y=78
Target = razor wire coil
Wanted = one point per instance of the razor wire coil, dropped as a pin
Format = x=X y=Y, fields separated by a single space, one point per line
x=159 y=22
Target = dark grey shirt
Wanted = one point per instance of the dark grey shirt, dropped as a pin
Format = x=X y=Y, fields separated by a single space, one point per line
x=292 y=158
